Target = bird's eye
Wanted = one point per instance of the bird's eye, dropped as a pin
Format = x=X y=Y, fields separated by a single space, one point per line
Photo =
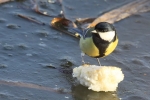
x=105 y=30
x=102 y=30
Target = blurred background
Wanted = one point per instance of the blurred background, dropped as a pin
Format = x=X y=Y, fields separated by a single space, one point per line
x=33 y=53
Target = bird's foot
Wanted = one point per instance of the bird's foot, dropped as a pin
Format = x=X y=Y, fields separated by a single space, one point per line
x=85 y=64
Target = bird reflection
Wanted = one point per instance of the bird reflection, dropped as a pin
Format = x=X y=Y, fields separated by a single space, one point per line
x=82 y=93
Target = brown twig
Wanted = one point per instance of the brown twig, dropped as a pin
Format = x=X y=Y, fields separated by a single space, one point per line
x=31 y=86
x=123 y=12
x=36 y=9
x=30 y=19
x=4 y=1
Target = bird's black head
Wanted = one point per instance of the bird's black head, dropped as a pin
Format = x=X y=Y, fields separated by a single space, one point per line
x=104 y=27
x=104 y=31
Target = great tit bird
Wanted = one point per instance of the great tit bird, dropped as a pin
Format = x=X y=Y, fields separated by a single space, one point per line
x=98 y=41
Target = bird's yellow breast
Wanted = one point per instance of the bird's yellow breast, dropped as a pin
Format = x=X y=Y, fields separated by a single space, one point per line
x=111 y=47
x=88 y=47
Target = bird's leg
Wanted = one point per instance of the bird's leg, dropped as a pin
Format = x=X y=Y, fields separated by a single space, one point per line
x=98 y=61
x=82 y=54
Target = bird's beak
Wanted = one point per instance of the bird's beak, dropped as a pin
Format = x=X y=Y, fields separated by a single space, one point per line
x=94 y=31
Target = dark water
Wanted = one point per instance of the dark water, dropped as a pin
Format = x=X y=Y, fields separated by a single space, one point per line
x=28 y=48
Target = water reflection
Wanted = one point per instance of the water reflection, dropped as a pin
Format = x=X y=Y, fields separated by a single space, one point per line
x=82 y=93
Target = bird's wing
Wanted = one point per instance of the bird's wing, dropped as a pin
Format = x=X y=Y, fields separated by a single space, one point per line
x=75 y=30
x=88 y=32
x=82 y=32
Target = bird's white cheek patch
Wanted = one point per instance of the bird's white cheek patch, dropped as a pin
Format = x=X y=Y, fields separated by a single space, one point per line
x=108 y=36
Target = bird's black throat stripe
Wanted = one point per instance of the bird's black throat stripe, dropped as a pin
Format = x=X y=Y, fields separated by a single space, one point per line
x=101 y=44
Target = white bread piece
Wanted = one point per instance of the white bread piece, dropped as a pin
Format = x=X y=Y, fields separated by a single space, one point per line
x=99 y=78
